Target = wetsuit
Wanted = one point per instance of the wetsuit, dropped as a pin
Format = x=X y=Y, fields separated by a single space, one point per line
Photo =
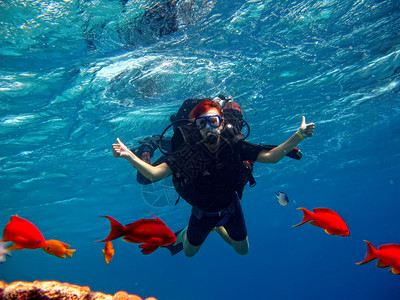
x=211 y=183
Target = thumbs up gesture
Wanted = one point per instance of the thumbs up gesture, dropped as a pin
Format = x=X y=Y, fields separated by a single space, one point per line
x=307 y=130
x=120 y=150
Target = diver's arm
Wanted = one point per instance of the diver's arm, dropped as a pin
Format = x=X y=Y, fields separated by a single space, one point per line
x=277 y=153
x=153 y=173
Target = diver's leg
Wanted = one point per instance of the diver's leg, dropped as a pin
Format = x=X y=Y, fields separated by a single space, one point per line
x=196 y=233
x=234 y=232
x=222 y=232
x=189 y=249
x=241 y=247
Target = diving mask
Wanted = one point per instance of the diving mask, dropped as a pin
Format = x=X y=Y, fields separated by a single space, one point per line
x=212 y=122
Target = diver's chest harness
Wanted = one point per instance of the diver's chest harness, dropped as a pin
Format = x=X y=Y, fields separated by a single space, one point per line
x=197 y=170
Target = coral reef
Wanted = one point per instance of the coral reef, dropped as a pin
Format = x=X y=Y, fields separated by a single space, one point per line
x=52 y=290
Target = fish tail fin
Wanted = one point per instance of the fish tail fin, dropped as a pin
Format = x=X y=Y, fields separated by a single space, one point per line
x=371 y=254
x=70 y=252
x=117 y=229
x=307 y=216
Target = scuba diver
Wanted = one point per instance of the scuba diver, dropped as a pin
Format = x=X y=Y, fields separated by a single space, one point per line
x=208 y=162
x=233 y=116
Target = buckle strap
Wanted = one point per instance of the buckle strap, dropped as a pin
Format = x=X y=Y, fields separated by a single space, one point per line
x=199 y=213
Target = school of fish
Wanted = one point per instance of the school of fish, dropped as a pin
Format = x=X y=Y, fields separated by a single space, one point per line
x=388 y=255
x=25 y=235
x=154 y=233
x=150 y=233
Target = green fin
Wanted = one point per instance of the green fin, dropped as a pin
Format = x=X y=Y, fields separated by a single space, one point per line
x=179 y=236
x=177 y=247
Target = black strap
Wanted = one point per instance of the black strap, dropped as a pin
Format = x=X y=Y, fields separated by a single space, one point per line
x=199 y=213
x=177 y=200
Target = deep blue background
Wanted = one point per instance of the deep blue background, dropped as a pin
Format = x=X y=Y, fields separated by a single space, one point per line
x=75 y=75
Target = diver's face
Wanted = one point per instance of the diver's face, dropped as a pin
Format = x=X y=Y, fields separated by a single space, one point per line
x=210 y=133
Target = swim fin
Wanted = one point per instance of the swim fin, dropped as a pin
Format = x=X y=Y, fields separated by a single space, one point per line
x=178 y=245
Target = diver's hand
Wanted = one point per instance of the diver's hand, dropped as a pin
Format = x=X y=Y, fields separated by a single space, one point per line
x=120 y=150
x=307 y=130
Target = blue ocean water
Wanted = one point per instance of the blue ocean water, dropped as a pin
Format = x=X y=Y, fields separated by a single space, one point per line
x=75 y=75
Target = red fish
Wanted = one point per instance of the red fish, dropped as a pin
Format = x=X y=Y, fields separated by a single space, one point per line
x=388 y=256
x=326 y=219
x=23 y=234
x=152 y=233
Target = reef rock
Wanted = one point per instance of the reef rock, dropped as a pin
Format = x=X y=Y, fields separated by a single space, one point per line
x=53 y=290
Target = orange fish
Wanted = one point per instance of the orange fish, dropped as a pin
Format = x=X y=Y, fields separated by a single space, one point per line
x=23 y=234
x=152 y=233
x=326 y=219
x=58 y=249
x=388 y=256
x=108 y=251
